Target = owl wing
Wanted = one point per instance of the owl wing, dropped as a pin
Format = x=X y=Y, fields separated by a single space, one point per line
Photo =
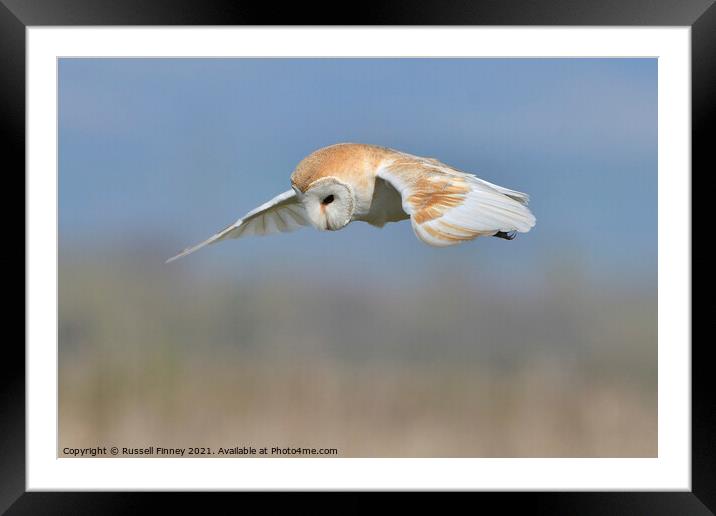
x=281 y=214
x=447 y=206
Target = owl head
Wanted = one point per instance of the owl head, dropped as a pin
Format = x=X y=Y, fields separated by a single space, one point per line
x=329 y=203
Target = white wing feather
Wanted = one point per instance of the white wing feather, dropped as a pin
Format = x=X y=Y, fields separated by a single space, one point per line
x=448 y=206
x=281 y=214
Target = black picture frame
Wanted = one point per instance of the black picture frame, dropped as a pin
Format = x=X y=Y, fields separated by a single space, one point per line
x=700 y=15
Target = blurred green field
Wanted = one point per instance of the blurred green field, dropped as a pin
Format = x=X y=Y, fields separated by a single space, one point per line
x=439 y=367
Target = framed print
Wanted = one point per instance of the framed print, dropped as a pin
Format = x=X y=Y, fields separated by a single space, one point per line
x=476 y=274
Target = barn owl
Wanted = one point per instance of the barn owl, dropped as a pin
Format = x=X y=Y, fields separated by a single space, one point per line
x=349 y=182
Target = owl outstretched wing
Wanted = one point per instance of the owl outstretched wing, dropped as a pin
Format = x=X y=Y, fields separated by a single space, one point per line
x=281 y=214
x=448 y=206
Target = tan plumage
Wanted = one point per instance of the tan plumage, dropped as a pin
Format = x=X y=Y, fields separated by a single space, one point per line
x=348 y=182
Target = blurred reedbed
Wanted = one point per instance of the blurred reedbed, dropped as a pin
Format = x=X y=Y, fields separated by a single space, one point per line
x=437 y=369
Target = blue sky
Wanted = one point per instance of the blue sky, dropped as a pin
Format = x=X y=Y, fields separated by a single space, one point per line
x=171 y=150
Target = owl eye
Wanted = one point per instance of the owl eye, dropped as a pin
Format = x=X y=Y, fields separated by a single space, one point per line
x=327 y=200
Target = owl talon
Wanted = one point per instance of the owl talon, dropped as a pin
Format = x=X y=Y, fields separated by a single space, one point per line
x=506 y=236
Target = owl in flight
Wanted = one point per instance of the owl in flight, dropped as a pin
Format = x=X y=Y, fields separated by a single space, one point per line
x=341 y=183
